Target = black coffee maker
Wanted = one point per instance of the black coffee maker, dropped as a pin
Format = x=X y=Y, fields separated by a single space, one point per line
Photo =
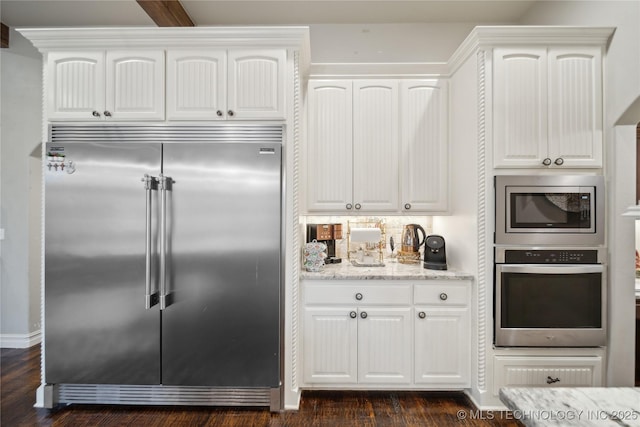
x=435 y=256
x=327 y=234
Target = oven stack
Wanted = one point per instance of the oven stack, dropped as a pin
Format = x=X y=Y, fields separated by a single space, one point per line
x=550 y=262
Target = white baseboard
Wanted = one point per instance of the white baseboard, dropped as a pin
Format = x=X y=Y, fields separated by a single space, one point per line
x=20 y=340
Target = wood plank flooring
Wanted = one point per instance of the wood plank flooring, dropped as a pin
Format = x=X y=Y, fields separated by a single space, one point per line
x=20 y=376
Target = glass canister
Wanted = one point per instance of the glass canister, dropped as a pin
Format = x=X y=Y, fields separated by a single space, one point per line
x=313 y=255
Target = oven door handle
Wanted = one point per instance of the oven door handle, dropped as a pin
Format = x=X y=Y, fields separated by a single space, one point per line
x=548 y=269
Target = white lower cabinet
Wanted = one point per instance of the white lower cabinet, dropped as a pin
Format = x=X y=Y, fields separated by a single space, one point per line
x=387 y=334
x=547 y=371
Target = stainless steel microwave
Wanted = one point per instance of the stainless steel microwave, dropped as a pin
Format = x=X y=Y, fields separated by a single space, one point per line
x=549 y=210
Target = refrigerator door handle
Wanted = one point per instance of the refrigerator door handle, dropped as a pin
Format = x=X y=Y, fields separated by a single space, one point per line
x=151 y=296
x=165 y=184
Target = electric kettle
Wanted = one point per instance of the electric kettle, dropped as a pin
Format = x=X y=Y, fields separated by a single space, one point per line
x=411 y=240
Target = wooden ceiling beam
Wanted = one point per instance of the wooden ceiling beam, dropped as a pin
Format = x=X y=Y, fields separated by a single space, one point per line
x=166 y=13
x=4 y=36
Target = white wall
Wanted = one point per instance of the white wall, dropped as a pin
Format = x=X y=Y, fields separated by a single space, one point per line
x=20 y=133
x=622 y=88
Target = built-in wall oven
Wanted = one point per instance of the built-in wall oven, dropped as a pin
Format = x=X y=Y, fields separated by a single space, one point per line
x=550 y=297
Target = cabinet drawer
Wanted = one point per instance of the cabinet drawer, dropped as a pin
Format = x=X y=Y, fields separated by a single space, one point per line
x=583 y=371
x=357 y=294
x=442 y=294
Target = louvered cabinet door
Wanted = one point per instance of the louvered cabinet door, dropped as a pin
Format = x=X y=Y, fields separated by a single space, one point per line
x=256 y=84
x=197 y=84
x=135 y=85
x=575 y=106
x=75 y=85
x=424 y=161
x=375 y=145
x=520 y=107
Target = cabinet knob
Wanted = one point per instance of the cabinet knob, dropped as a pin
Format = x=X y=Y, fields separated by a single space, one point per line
x=358 y=205
x=363 y=314
x=407 y=206
x=444 y=296
x=107 y=114
x=559 y=161
x=552 y=380
x=359 y=296
x=230 y=113
x=353 y=314
x=95 y=114
x=349 y=206
x=546 y=161
x=219 y=113
x=422 y=315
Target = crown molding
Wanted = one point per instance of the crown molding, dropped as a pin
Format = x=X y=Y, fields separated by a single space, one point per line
x=47 y=39
x=377 y=70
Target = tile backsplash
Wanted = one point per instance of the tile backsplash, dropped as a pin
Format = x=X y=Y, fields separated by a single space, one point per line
x=393 y=225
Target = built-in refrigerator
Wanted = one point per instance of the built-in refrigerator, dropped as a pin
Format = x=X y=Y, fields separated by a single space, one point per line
x=162 y=263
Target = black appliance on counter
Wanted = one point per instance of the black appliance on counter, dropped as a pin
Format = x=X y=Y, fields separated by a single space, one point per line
x=435 y=256
x=327 y=234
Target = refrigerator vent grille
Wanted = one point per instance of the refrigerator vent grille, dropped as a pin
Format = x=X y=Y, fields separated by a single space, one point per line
x=161 y=395
x=167 y=134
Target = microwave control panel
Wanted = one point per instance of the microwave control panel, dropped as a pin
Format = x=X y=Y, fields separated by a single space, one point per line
x=551 y=256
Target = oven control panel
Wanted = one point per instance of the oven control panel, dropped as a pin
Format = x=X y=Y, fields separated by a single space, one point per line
x=551 y=256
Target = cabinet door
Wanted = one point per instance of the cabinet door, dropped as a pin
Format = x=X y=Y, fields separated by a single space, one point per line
x=384 y=345
x=330 y=345
x=443 y=347
x=135 y=85
x=575 y=106
x=75 y=85
x=196 y=84
x=375 y=145
x=520 y=107
x=329 y=146
x=424 y=156
x=256 y=80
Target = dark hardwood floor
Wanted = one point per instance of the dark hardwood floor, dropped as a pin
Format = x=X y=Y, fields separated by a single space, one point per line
x=20 y=376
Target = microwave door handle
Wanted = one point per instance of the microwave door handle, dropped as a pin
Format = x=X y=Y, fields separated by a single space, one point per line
x=547 y=269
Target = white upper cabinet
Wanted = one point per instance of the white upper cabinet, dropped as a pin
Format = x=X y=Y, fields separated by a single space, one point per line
x=217 y=84
x=329 y=154
x=547 y=107
x=112 y=85
x=196 y=84
x=375 y=145
x=423 y=135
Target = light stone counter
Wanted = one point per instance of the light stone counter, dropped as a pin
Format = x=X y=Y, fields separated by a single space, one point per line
x=391 y=271
x=574 y=406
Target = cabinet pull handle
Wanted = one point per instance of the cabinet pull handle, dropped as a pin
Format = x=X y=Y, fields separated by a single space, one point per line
x=219 y=113
x=407 y=206
x=559 y=161
x=444 y=296
x=546 y=161
x=230 y=113
x=353 y=314
x=107 y=114
x=358 y=205
x=552 y=380
x=95 y=114
x=363 y=314
x=422 y=315
x=359 y=296
x=349 y=206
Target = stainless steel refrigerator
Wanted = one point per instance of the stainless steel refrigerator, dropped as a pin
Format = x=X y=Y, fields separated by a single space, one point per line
x=163 y=265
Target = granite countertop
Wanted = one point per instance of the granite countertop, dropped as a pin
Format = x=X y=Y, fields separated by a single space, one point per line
x=573 y=406
x=392 y=270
